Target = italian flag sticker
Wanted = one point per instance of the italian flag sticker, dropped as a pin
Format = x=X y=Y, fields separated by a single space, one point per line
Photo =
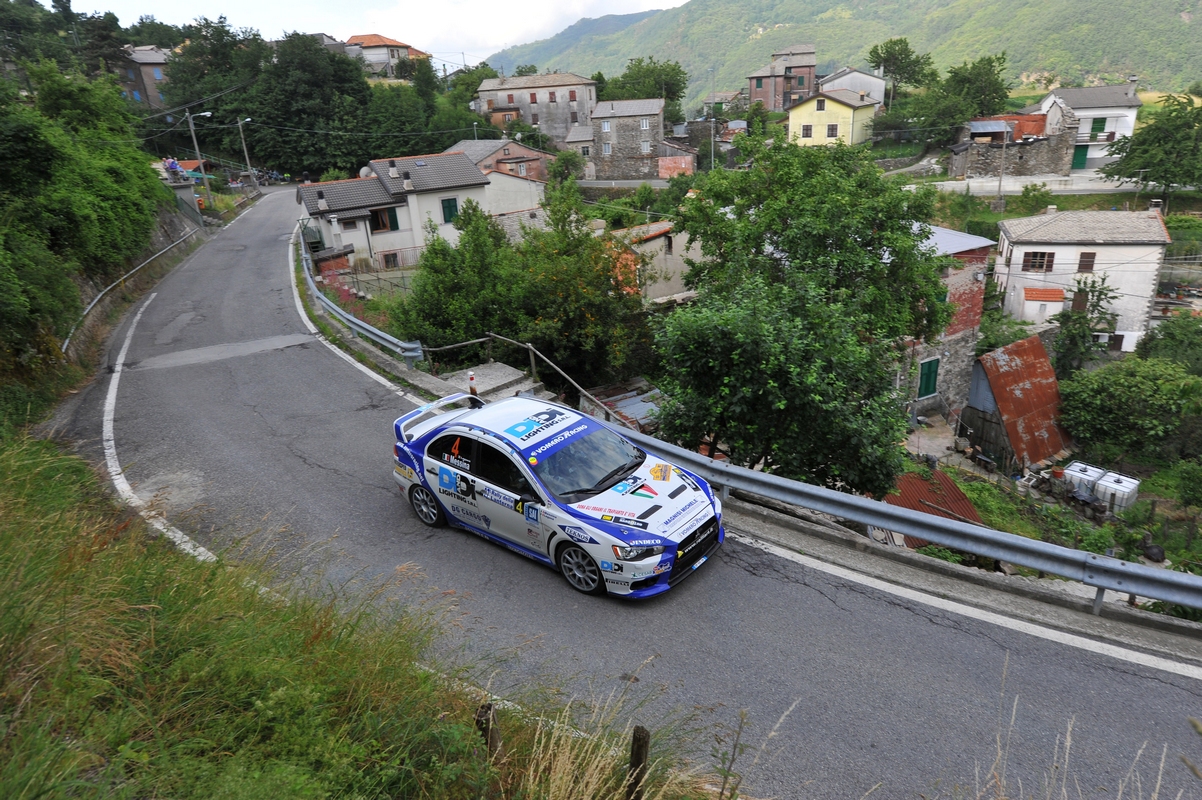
x=645 y=491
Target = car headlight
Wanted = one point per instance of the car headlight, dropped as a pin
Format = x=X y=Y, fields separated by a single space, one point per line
x=636 y=553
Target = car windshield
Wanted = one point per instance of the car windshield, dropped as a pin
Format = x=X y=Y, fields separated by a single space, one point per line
x=588 y=465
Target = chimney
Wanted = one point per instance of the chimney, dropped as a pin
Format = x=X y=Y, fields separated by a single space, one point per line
x=1050 y=210
x=862 y=93
x=322 y=205
x=392 y=168
x=1132 y=82
x=1156 y=205
x=337 y=233
x=408 y=184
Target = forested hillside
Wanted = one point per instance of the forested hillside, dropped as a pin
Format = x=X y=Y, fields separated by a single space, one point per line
x=1076 y=40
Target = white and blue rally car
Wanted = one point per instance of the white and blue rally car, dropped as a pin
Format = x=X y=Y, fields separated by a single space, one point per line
x=560 y=488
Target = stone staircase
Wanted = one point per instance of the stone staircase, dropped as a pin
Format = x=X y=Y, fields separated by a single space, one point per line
x=495 y=381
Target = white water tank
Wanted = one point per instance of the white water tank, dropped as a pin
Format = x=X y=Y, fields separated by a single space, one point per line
x=1082 y=475
x=1117 y=491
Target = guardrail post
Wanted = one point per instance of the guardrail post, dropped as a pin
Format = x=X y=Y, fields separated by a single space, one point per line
x=640 y=747
x=724 y=493
x=1097 y=601
x=533 y=365
x=486 y=723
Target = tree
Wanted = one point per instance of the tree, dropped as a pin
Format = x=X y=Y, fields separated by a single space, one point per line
x=1178 y=338
x=467 y=82
x=776 y=378
x=525 y=69
x=1166 y=151
x=567 y=164
x=426 y=83
x=647 y=78
x=601 y=83
x=102 y=42
x=1075 y=345
x=1133 y=404
x=528 y=134
x=901 y=64
x=828 y=214
x=148 y=30
x=757 y=119
x=980 y=83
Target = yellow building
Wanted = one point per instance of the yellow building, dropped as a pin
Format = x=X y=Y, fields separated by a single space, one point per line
x=837 y=115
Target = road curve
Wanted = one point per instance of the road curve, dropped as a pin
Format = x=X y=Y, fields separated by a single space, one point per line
x=236 y=421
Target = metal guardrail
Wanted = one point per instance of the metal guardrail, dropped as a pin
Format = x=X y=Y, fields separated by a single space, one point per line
x=118 y=282
x=1091 y=569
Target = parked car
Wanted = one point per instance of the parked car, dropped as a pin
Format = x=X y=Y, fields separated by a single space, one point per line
x=561 y=488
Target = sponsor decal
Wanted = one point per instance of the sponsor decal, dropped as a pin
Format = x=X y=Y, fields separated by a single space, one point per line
x=645 y=542
x=684 y=477
x=542 y=448
x=678 y=513
x=661 y=472
x=577 y=534
x=534 y=536
x=537 y=423
x=453 y=483
x=533 y=461
x=469 y=514
x=615 y=582
x=611 y=566
x=405 y=472
x=633 y=523
x=694 y=525
x=646 y=492
x=454 y=459
x=531 y=513
x=617 y=512
x=661 y=568
x=500 y=498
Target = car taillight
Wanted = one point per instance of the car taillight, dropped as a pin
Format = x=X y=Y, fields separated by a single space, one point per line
x=396 y=450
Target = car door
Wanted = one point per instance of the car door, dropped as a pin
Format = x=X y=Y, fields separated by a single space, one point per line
x=448 y=464
x=504 y=494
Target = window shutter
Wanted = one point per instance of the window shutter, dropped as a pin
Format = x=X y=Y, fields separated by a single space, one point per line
x=392 y=222
x=1086 y=262
x=1027 y=261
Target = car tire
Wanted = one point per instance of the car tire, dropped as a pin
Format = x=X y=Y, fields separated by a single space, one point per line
x=579 y=569
x=426 y=506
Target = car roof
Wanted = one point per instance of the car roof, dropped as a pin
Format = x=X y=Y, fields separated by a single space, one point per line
x=499 y=415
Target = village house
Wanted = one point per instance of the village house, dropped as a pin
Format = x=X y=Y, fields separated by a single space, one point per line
x=505 y=155
x=381 y=55
x=1104 y=114
x=1041 y=257
x=556 y=102
x=626 y=142
x=1014 y=144
x=141 y=74
x=839 y=115
x=381 y=217
x=661 y=278
x=786 y=79
x=854 y=80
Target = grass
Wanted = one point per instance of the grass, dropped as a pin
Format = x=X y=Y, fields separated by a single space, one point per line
x=997 y=509
x=130 y=670
x=889 y=149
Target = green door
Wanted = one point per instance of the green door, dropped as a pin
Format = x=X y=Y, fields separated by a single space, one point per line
x=1080 y=153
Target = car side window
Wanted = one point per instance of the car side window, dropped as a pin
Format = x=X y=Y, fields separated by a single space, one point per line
x=454 y=450
x=499 y=469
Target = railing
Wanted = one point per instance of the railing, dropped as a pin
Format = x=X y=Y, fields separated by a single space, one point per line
x=1098 y=137
x=1091 y=569
x=398 y=259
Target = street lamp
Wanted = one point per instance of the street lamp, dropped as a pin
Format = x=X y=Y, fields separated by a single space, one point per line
x=253 y=180
x=200 y=162
x=474 y=130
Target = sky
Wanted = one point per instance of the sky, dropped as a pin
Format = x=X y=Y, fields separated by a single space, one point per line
x=451 y=30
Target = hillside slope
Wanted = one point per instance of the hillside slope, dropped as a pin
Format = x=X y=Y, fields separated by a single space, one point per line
x=1079 y=40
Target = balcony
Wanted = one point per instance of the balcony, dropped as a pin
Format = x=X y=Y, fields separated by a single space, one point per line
x=404 y=258
x=1099 y=138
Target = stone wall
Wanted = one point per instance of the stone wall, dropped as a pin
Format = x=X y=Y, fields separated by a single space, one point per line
x=956 y=356
x=1048 y=156
x=627 y=161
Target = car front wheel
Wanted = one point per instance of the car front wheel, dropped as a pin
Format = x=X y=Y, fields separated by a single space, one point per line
x=580 y=570
x=426 y=507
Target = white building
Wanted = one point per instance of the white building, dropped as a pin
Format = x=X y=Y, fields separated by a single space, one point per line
x=511 y=192
x=1105 y=113
x=383 y=216
x=1041 y=257
x=854 y=80
x=381 y=55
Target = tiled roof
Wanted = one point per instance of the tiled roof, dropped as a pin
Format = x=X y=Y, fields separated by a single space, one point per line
x=842 y=96
x=349 y=195
x=1087 y=227
x=1035 y=293
x=514 y=175
x=1098 y=97
x=535 y=82
x=1028 y=398
x=644 y=233
x=847 y=71
x=147 y=54
x=514 y=221
x=375 y=40
x=948 y=242
x=778 y=66
x=580 y=133
x=797 y=49
x=477 y=149
x=628 y=108
x=430 y=173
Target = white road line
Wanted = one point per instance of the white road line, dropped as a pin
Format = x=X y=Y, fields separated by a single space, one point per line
x=300 y=310
x=181 y=540
x=1021 y=626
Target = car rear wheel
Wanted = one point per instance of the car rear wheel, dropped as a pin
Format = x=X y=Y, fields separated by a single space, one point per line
x=580 y=570
x=426 y=506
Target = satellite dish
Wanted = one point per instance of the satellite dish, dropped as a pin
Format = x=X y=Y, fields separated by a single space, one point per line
x=518 y=136
x=365 y=172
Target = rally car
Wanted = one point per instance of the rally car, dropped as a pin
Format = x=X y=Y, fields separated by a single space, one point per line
x=558 y=487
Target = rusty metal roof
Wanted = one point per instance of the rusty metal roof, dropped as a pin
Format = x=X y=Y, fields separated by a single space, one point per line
x=938 y=495
x=1028 y=399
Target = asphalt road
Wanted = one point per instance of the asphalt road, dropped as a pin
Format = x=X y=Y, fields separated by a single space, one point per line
x=243 y=427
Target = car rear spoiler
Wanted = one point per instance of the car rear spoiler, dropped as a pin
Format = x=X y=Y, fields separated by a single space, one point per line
x=409 y=420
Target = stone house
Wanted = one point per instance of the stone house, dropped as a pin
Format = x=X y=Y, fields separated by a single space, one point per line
x=505 y=155
x=854 y=80
x=1104 y=115
x=787 y=78
x=557 y=102
x=1029 y=149
x=141 y=74
x=1041 y=257
x=381 y=217
x=380 y=54
x=624 y=140
x=839 y=115
x=943 y=368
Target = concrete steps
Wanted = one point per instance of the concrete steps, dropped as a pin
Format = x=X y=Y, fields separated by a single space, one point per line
x=495 y=381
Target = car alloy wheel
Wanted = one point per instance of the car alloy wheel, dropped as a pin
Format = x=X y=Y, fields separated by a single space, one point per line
x=580 y=570
x=426 y=506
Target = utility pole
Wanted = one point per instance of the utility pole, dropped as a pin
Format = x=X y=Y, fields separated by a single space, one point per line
x=253 y=180
x=200 y=162
x=713 y=120
x=1002 y=170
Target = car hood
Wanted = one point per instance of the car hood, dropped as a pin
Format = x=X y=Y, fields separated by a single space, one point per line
x=657 y=500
